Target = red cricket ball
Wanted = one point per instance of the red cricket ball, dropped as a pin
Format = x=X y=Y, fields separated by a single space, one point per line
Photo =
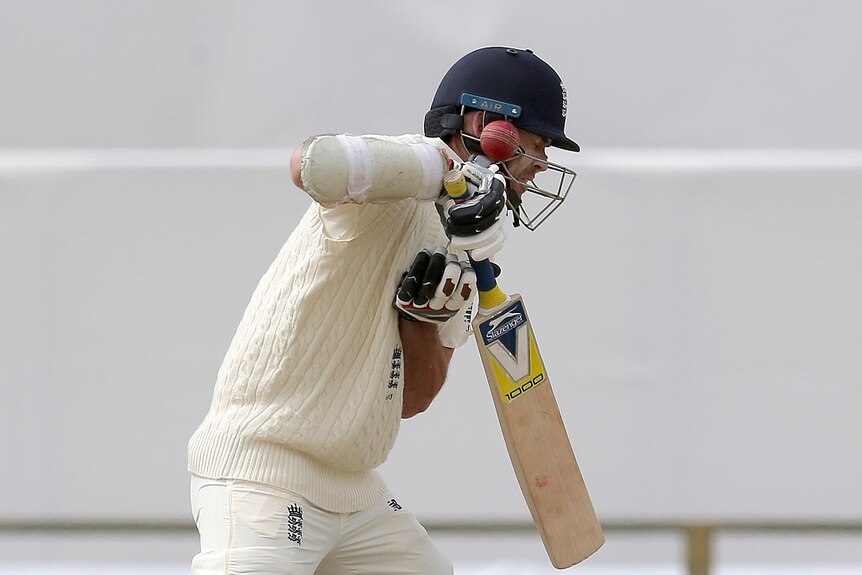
x=499 y=140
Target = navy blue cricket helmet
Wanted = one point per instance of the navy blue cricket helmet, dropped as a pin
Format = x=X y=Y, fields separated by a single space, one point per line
x=503 y=75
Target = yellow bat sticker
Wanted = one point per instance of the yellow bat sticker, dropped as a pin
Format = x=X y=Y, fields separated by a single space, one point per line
x=511 y=345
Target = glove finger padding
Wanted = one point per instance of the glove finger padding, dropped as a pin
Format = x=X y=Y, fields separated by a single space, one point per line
x=483 y=245
x=456 y=287
x=445 y=285
x=465 y=288
x=448 y=280
x=412 y=280
x=433 y=273
x=477 y=213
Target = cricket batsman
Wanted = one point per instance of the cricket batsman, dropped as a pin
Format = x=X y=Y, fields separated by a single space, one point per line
x=353 y=325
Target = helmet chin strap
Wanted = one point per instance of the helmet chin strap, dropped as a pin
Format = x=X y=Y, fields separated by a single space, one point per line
x=470 y=143
x=513 y=200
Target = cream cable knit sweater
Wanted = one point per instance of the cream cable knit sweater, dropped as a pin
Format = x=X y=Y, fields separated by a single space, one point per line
x=308 y=397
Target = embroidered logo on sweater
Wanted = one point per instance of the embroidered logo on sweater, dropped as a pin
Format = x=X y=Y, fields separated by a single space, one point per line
x=394 y=505
x=394 y=372
x=294 y=523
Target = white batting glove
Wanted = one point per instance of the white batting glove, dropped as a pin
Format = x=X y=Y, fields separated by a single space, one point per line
x=472 y=219
x=435 y=288
x=457 y=330
x=477 y=177
x=483 y=245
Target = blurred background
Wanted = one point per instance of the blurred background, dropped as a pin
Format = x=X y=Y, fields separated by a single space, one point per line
x=696 y=297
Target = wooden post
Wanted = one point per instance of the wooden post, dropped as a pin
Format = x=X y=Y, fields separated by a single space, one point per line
x=699 y=549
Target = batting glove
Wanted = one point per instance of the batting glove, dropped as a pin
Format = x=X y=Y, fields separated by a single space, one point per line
x=472 y=219
x=435 y=288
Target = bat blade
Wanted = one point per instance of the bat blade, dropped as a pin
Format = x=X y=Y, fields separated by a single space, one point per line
x=535 y=435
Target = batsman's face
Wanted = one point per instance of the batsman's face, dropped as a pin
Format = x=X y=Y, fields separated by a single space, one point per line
x=547 y=191
x=530 y=160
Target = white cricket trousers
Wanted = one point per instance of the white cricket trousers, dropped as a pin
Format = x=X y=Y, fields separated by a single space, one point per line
x=251 y=528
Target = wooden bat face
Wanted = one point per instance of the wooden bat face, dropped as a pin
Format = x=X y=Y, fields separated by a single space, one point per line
x=535 y=435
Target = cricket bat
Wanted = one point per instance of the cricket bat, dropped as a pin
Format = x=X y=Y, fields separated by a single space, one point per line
x=535 y=435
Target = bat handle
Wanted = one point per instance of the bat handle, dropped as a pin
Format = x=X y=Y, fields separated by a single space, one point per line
x=490 y=294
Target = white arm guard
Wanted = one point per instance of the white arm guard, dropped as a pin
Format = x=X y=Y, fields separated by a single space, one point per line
x=371 y=169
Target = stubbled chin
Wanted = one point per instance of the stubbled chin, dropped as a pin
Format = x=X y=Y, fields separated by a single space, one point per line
x=517 y=187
